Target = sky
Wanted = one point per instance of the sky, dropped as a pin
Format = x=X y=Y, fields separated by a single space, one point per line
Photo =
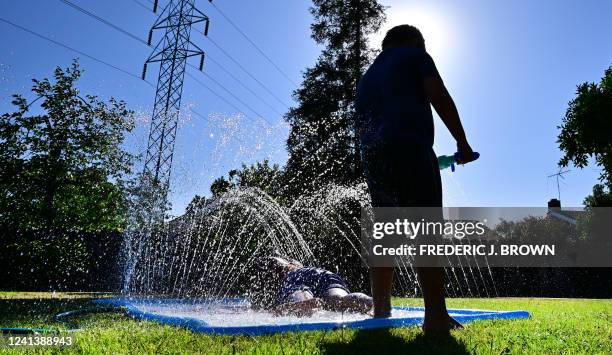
x=511 y=67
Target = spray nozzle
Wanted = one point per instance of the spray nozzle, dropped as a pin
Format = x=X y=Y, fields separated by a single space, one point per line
x=445 y=161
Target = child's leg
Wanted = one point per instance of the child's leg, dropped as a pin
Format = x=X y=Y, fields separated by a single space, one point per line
x=358 y=302
x=299 y=296
x=300 y=303
x=381 y=281
x=436 y=319
x=339 y=300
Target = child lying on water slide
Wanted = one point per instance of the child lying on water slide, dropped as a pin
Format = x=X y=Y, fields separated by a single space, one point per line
x=289 y=288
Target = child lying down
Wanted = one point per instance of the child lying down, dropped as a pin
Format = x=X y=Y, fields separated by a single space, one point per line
x=288 y=288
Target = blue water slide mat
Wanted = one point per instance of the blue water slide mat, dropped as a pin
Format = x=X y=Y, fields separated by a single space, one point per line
x=133 y=309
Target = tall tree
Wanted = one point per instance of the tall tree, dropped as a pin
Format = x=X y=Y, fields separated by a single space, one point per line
x=62 y=168
x=586 y=133
x=263 y=176
x=322 y=144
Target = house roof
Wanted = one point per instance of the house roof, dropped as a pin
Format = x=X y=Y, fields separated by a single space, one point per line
x=569 y=216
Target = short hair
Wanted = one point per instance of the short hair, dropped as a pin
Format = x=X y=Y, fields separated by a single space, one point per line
x=270 y=264
x=265 y=282
x=401 y=34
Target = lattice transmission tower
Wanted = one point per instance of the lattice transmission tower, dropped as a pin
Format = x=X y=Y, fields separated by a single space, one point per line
x=172 y=51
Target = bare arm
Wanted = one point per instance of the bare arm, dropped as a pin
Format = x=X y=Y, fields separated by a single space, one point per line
x=445 y=107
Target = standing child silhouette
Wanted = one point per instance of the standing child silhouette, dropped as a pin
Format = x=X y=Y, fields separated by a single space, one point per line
x=396 y=128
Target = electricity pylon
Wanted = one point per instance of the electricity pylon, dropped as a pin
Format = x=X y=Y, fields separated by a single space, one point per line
x=172 y=51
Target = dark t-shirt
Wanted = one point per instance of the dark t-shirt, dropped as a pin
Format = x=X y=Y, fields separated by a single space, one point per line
x=391 y=100
x=312 y=279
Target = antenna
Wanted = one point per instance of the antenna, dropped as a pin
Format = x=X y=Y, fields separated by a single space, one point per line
x=559 y=175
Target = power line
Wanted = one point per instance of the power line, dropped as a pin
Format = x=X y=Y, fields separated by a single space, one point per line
x=133 y=36
x=229 y=92
x=125 y=71
x=73 y=49
x=221 y=98
x=232 y=95
x=98 y=18
x=112 y=67
x=238 y=99
x=142 y=5
x=247 y=72
x=99 y=60
x=254 y=45
x=230 y=74
x=94 y=16
x=243 y=69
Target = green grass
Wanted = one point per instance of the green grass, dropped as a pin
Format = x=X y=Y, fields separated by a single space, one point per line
x=556 y=326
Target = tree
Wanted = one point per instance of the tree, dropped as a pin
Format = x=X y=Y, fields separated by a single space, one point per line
x=220 y=185
x=586 y=133
x=63 y=168
x=599 y=198
x=263 y=176
x=322 y=144
x=196 y=204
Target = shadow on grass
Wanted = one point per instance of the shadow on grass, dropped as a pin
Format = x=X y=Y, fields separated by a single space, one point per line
x=383 y=341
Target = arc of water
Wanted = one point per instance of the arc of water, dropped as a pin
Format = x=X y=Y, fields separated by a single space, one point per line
x=479 y=271
x=218 y=243
x=222 y=273
x=199 y=223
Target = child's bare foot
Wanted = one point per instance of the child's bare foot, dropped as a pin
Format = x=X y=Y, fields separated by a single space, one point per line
x=441 y=325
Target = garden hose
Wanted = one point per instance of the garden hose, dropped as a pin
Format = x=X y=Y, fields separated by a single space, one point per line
x=63 y=318
x=20 y=331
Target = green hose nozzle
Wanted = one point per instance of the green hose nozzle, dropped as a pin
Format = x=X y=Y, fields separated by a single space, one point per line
x=444 y=161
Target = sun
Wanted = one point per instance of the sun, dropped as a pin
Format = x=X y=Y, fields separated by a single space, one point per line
x=432 y=24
